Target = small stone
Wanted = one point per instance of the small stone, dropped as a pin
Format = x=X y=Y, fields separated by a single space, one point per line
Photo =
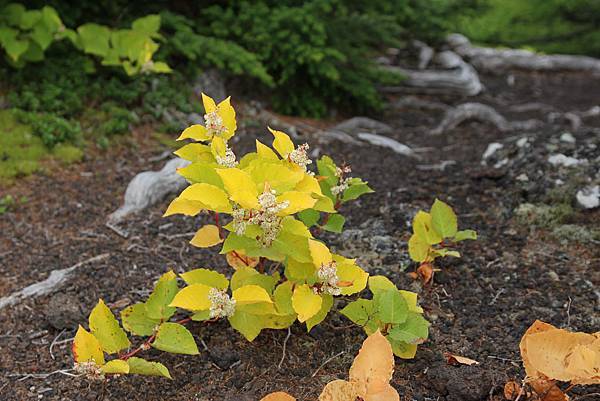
x=553 y=275
x=589 y=197
x=562 y=160
x=491 y=149
x=567 y=137
x=522 y=142
x=522 y=177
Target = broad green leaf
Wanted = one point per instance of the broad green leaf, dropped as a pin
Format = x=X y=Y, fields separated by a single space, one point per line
x=13 y=12
x=161 y=67
x=446 y=252
x=250 y=294
x=194 y=297
x=414 y=330
x=465 y=234
x=15 y=48
x=361 y=311
x=258 y=308
x=353 y=278
x=309 y=217
x=378 y=284
x=201 y=316
x=335 y=223
x=294 y=246
x=207 y=236
x=443 y=219
x=247 y=324
x=327 y=169
x=42 y=36
x=249 y=276
x=195 y=152
x=136 y=321
x=411 y=301
x=207 y=277
x=422 y=227
x=214 y=197
x=417 y=248
x=29 y=19
x=282 y=143
x=403 y=350
x=283 y=298
x=391 y=306
x=143 y=367
x=87 y=348
x=148 y=24
x=324 y=204
x=94 y=39
x=51 y=19
x=116 y=366
x=326 y=305
x=157 y=305
x=300 y=272
x=356 y=189
x=305 y=302
x=106 y=329
x=277 y=321
x=175 y=338
x=295 y=227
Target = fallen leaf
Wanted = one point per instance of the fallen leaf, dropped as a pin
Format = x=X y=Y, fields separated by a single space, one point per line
x=512 y=390
x=237 y=260
x=453 y=359
x=547 y=390
x=338 y=390
x=424 y=272
x=278 y=396
x=557 y=354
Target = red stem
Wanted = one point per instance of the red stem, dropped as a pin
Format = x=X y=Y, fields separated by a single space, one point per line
x=146 y=344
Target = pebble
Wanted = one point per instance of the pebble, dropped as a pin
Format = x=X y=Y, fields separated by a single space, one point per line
x=561 y=160
x=589 y=197
x=567 y=137
x=491 y=149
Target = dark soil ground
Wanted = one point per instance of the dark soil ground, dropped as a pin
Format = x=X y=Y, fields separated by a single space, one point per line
x=479 y=306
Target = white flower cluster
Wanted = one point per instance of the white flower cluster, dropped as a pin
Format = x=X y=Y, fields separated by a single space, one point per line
x=221 y=304
x=214 y=123
x=329 y=279
x=90 y=370
x=266 y=217
x=228 y=160
x=343 y=184
x=299 y=156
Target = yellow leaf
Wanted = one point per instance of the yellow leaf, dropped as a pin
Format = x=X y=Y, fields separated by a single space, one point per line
x=423 y=228
x=195 y=152
x=309 y=184
x=206 y=237
x=251 y=294
x=213 y=197
x=265 y=152
x=227 y=114
x=240 y=186
x=338 y=390
x=107 y=330
x=305 y=302
x=319 y=252
x=278 y=396
x=209 y=104
x=184 y=206
x=87 y=348
x=411 y=301
x=116 y=366
x=194 y=297
x=196 y=132
x=373 y=367
x=351 y=273
x=298 y=201
x=282 y=143
x=218 y=147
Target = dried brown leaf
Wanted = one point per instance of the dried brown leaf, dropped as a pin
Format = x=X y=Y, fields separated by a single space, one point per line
x=338 y=390
x=453 y=359
x=278 y=396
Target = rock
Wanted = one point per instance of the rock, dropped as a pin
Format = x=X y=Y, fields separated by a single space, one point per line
x=211 y=83
x=589 y=197
x=561 y=160
x=63 y=311
x=522 y=142
x=386 y=142
x=567 y=137
x=491 y=149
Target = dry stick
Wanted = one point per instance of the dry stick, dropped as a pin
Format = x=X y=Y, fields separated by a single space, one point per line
x=54 y=342
x=326 y=362
x=284 y=345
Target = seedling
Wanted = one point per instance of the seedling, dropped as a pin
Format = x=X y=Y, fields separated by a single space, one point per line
x=264 y=206
x=434 y=235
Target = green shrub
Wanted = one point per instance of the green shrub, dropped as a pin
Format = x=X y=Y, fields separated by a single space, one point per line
x=51 y=128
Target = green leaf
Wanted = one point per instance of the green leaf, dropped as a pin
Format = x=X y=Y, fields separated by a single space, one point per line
x=335 y=223
x=418 y=249
x=309 y=217
x=136 y=321
x=94 y=39
x=322 y=313
x=149 y=24
x=294 y=246
x=391 y=306
x=207 y=277
x=157 y=305
x=175 y=338
x=143 y=367
x=247 y=324
x=356 y=189
x=443 y=219
x=51 y=19
x=15 y=48
x=42 y=36
x=414 y=330
x=249 y=276
x=465 y=234
x=378 y=284
x=283 y=298
x=446 y=252
x=29 y=19
x=13 y=13
x=402 y=349
x=116 y=366
x=106 y=329
x=160 y=67
x=361 y=311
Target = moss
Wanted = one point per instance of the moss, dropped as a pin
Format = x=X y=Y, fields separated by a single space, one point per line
x=542 y=215
x=67 y=154
x=573 y=233
x=166 y=140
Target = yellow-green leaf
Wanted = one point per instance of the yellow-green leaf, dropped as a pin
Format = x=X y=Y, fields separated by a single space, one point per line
x=351 y=273
x=418 y=249
x=298 y=201
x=196 y=132
x=227 y=114
x=283 y=298
x=213 y=197
x=251 y=294
x=184 y=206
x=422 y=227
x=175 y=338
x=207 y=277
x=136 y=321
x=264 y=151
x=208 y=103
x=411 y=301
x=319 y=252
x=207 y=236
x=195 y=152
x=240 y=186
x=194 y=297
x=116 y=366
x=87 y=348
x=157 y=305
x=326 y=304
x=106 y=329
x=380 y=283
x=142 y=367
x=305 y=302
x=247 y=324
x=282 y=143
x=443 y=219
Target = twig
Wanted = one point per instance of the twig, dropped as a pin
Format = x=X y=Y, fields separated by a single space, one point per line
x=284 y=345
x=503 y=359
x=120 y=232
x=569 y=312
x=43 y=375
x=326 y=362
x=493 y=301
x=54 y=342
